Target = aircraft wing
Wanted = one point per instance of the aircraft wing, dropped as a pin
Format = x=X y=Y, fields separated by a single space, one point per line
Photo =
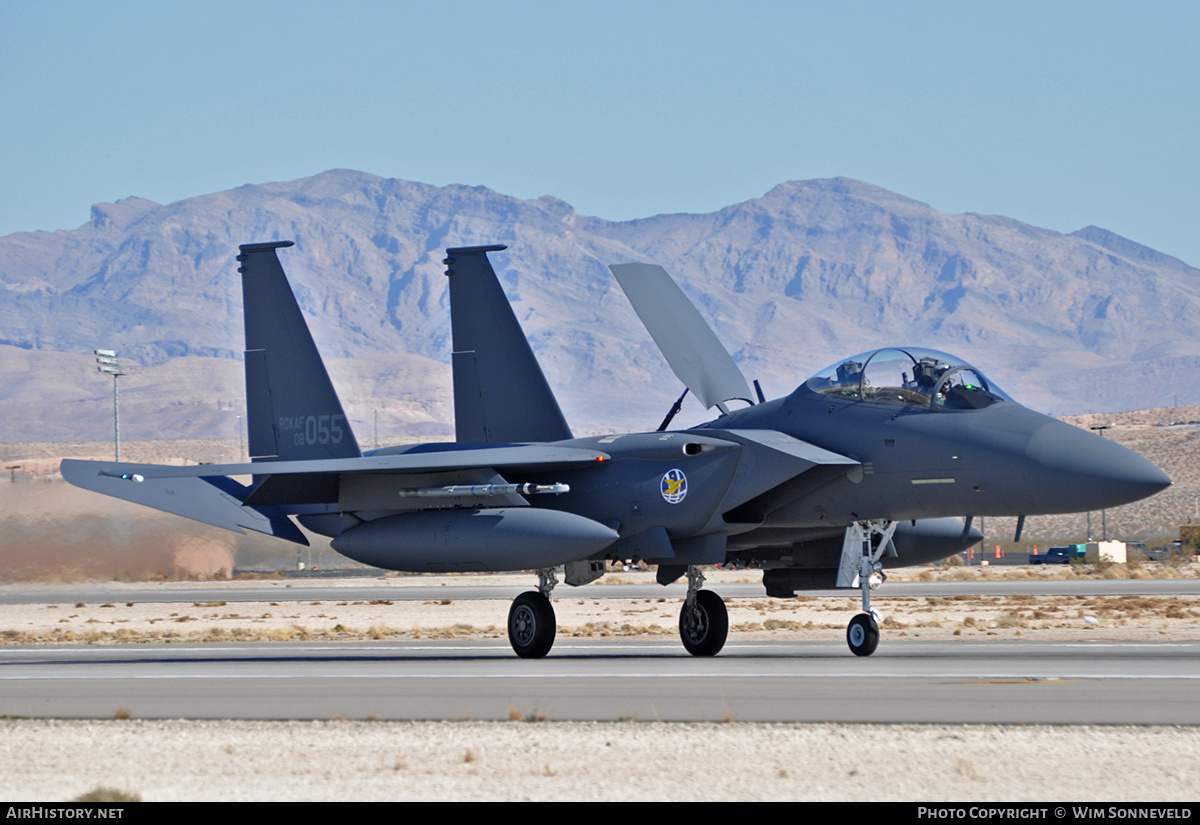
x=416 y=460
x=215 y=501
x=688 y=343
x=204 y=492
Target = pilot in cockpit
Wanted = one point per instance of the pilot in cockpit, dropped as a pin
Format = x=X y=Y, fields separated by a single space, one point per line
x=849 y=373
x=926 y=375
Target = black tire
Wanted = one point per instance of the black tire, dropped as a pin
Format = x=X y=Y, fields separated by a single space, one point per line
x=704 y=629
x=531 y=627
x=862 y=635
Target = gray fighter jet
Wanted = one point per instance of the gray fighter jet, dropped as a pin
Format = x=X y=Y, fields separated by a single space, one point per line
x=861 y=468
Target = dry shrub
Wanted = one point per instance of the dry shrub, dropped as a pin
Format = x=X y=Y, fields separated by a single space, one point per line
x=779 y=624
x=961 y=574
x=103 y=794
x=1011 y=619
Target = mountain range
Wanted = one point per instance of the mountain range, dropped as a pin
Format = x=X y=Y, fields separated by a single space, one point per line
x=810 y=272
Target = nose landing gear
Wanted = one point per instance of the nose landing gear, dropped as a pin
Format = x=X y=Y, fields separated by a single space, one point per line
x=863 y=547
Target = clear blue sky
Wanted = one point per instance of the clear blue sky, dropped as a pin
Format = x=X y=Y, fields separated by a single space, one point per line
x=1060 y=114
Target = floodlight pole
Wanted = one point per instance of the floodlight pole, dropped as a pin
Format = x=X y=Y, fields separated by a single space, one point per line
x=106 y=360
x=1099 y=430
x=241 y=439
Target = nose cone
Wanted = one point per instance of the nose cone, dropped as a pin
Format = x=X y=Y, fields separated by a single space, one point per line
x=1088 y=472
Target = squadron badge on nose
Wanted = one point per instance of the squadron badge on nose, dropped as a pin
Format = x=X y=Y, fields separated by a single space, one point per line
x=674 y=486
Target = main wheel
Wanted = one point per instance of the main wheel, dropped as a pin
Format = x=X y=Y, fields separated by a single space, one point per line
x=531 y=625
x=704 y=628
x=862 y=635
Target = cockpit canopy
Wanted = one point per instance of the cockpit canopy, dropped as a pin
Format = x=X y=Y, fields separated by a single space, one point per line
x=911 y=377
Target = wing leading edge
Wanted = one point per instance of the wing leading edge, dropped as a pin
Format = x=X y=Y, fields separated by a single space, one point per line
x=205 y=492
x=417 y=460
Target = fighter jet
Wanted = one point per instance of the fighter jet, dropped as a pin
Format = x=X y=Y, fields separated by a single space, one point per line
x=864 y=467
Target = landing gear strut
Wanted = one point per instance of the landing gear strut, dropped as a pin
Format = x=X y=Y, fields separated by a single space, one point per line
x=703 y=619
x=531 y=623
x=861 y=553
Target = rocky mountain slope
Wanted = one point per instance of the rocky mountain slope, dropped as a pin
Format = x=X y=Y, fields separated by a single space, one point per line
x=791 y=281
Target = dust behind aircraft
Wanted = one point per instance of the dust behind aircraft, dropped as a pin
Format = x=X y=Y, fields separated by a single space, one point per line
x=863 y=467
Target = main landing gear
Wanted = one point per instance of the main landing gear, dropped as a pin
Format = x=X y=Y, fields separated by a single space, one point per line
x=703 y=619
x=531 y=624
x=863 y=547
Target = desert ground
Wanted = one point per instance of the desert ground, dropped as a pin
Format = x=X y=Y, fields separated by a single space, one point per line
x=336 y=760
x=583 y=613
x=538 y=759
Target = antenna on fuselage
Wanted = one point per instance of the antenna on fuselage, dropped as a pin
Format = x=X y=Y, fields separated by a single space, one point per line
x=674 y=411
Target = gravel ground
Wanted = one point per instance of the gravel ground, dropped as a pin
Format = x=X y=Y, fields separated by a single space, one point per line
x=49 y=760
x=583 y=613
x=269 y=761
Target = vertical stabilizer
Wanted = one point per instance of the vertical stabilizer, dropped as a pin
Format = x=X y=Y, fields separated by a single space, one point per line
x=500 y=393
x=293 y=412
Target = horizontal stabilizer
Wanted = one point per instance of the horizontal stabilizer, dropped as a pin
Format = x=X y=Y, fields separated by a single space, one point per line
x=688 y=343
x=212 y=501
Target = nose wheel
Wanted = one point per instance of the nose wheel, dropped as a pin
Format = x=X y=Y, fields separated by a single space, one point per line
x=862 y=635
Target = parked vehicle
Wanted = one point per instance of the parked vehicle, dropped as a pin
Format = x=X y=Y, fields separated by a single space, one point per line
x=1175 y=548
x=1055 y=555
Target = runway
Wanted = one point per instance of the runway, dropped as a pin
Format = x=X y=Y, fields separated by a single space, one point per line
x=905 y=681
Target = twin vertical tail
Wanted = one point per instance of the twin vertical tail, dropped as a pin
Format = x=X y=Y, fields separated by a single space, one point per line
x=293 y=412
x=500 y=392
